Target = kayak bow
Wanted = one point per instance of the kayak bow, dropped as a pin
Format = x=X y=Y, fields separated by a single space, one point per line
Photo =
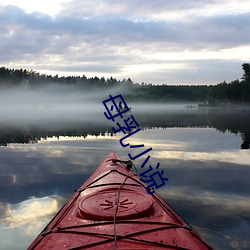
x=112 y=210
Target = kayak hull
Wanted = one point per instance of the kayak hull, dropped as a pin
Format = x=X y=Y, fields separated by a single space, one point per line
x=112 y=210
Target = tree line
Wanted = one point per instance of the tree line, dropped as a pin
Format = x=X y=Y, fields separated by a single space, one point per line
x=236 y=91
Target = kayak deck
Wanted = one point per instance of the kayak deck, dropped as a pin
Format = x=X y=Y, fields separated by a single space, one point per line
x=112 y=210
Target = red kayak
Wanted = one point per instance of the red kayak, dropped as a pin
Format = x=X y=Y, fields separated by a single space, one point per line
x=113 y=210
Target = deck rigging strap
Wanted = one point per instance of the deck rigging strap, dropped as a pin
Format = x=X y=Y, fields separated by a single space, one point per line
x=117 y=206
x=129 y=165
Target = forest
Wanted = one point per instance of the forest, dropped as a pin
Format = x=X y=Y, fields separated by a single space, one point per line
x=224 y=93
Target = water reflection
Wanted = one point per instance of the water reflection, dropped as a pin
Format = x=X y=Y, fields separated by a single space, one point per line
x=20 y=222
x=233 y=121
x=199 y=152
x=29 y=210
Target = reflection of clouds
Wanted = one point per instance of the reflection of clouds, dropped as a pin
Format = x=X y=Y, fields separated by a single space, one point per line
x=221 y=218
x=22 y=222
x=228 y=203
x=60 y=157
x=204 y=144
x=236 y=156
x=29 y=212
x=55 y=153
x=201 y=139
x=52 y=167
x=227 y=240
x=2 y=209
x=206 y=176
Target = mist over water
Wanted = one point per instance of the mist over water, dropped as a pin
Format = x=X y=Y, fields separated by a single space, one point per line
x=64 y=103
x=52 y=103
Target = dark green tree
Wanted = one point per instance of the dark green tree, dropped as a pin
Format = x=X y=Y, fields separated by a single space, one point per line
x=246 y=69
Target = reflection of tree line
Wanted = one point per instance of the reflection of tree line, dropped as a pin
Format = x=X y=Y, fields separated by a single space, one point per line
x=237 y=123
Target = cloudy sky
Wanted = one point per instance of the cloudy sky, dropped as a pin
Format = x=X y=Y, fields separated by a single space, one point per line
x=157 y=41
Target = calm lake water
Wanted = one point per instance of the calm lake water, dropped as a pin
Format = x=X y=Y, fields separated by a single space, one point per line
x=204 y=153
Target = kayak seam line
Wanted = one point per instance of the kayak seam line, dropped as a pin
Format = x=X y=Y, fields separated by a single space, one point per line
x=129 y=237
x=121 y=236
x=109 y=184
x=120 y=222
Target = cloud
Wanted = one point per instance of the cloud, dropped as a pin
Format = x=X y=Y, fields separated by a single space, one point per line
x=125 y=39
x=144 y=10
x=122 y=30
